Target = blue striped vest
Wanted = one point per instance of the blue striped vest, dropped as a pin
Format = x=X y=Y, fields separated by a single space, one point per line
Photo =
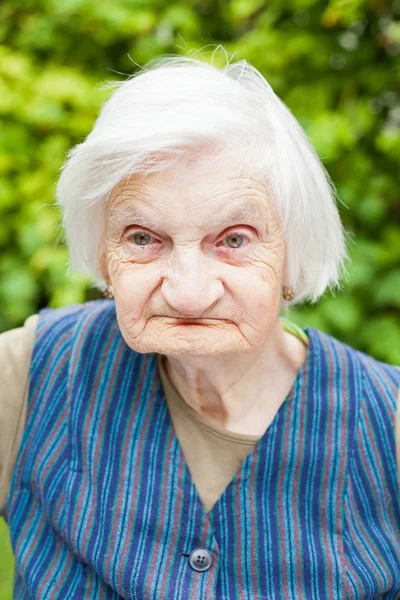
x=102 y=504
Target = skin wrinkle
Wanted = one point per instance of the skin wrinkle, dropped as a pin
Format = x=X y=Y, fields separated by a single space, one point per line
x=126 y=214
x=237 y=365
x=121 y=211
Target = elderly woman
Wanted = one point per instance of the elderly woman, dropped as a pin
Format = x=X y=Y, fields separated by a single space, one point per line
x=180 y=439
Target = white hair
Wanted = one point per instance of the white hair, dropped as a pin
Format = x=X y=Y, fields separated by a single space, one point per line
x=173 y=106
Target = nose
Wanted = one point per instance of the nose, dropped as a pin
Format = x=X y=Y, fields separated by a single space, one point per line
x=189 y=286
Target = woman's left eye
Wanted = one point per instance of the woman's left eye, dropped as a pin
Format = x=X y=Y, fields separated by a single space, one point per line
x=236 y=240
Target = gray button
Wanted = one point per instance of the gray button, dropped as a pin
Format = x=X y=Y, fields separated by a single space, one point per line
x=200 y=559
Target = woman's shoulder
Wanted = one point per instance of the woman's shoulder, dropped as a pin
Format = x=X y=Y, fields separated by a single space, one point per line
x=376 y=385
x=16 y=347
x=377 y=436
x=72 y=314
x=373 y=371
x=15 y=352
x=380 y=375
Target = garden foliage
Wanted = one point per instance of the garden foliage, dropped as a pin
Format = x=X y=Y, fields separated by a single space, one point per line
x=335 y=64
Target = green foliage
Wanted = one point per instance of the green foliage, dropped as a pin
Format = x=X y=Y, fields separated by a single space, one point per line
x=6 y=563
x=335 y=64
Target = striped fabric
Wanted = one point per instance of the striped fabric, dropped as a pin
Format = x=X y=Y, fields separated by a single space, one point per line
x=102 y=504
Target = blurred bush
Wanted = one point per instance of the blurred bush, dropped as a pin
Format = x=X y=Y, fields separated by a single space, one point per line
x=335 y=64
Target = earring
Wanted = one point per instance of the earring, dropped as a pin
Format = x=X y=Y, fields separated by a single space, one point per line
x=288 y=293
x=108 y=292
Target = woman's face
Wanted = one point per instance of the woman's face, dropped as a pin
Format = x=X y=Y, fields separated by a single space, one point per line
x=196 y=261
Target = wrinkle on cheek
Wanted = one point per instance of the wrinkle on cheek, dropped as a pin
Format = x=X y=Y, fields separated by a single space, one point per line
x=116 y=268
x=271 y=273
x=269 y=267
x=117 y=260
x=130 y=316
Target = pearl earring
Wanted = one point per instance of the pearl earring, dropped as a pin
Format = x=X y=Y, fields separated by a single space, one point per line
x=288 y=293
x=108 y=292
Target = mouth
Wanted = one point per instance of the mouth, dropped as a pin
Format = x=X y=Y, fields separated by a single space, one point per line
x=201 y=323
x=196 y=321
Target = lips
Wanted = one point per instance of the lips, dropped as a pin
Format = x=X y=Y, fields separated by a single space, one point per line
x=193 y=321
x=199 y=321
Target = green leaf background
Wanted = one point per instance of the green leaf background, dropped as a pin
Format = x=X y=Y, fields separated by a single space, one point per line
x=336 y=66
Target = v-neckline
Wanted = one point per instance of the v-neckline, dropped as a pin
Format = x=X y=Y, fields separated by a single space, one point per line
x=291 y=402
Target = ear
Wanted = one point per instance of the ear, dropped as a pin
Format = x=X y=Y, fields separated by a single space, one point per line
x=285 y=271
x=103 y=263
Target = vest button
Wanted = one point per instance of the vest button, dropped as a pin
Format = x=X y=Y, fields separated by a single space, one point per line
x=200 y=559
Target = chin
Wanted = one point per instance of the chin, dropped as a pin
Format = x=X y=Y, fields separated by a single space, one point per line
x=217 y=339
x=211 y=345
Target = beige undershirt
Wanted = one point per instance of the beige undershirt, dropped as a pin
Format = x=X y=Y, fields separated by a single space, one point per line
x=200 y=440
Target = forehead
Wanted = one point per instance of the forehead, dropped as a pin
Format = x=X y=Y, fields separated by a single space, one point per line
x=204 y=217
x=195 y=174
x=200 y=191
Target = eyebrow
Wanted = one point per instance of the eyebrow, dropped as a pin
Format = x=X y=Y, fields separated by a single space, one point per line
x=254 y=213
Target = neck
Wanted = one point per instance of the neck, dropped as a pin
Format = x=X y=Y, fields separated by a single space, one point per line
x=243 y=394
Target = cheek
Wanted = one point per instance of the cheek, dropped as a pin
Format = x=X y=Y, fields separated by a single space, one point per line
x=132 y=289
x=258 y=300
x=264 y=302
x=129 y=279
x=256 y=286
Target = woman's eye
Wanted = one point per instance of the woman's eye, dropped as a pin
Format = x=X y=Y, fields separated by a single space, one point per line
x=140 y=238
x=236 y=240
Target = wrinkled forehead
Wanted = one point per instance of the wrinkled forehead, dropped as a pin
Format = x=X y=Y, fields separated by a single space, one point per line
x=161 y=201
x=209 y=182
x=200 y=167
